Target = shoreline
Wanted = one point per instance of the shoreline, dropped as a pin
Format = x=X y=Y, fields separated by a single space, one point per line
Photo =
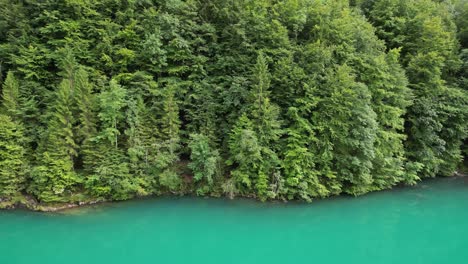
x=32 y=205
x=29 y=203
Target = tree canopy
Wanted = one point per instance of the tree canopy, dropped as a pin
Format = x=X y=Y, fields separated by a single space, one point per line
x=291 y=99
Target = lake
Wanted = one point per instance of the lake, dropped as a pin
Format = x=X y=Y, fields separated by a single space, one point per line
x=426 y=224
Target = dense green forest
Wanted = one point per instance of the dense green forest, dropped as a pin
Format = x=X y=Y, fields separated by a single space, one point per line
x=272 y=99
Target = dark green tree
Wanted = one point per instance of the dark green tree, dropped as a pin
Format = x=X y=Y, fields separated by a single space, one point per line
x=12 y=159
x=204 y=162
x=346 y=131
x=53 y=179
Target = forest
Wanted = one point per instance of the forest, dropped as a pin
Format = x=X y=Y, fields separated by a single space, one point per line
x=268 y=99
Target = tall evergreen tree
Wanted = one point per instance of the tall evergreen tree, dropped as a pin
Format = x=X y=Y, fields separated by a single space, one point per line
x=86 y=119
x=54 y=177
x=390 y=98
x=11 y=97
x=168 y=144
x=426 y=33
x=346 y=130
x=244 y=155
x=12 y=159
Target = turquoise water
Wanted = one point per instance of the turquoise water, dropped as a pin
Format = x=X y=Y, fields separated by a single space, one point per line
x=423 y=224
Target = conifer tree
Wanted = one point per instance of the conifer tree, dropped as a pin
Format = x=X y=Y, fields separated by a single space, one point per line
x=141 y=144
x=21 y=108
x=264 y=114
x=12 y=159
x=86 y=119
x=390 y=98
x=425 y=31
x=11 y=97
x=302 y=179
x=266 y=124
x=346 y=126
x=244 y=155
x=54 y=177
x=168 y=143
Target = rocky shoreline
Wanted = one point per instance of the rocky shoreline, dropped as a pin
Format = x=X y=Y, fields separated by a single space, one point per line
x=31 y=204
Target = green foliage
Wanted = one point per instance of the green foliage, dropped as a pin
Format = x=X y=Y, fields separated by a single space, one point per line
x=54 y=176
x=170 y=180
x=112 y=178
x=53 y=180
x=10 y=96
x=346 y=126
x=111 y=102
x=12 y=160
x=390 y=98
x=244 y=153
x=293 y=99
x=425 y=30
x=204 y=160
x=301 y=176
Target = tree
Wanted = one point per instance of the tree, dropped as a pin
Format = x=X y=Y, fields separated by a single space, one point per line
x=302 y=179
x=264 y=114
x=12 y=159
x=10 y=96
x=111 y=102
x=204 y=161
x=244 y=154
x=54 y=177
x=18 y=105
x=111 y=176
x=168 y=143
x=426 y=32
x=345 y=128
x=391 y=96
x=267 y=127
x=424 y=126
x=86 y=120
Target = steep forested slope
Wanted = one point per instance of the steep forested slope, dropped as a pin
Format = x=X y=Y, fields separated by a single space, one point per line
x=291 y=99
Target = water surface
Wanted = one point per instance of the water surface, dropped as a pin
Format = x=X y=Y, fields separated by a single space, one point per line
x=423 y=224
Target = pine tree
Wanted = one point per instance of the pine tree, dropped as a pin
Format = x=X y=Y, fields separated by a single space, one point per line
x=12 y=159
x=168 y=142
x=21 y=108
x=244 y=155
x=111 y=103
x=170 y=122
x=11 y=97
x=267 y=127
x=264 y=114
x=141 y=143
x=86 y=120
x=54 y=177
